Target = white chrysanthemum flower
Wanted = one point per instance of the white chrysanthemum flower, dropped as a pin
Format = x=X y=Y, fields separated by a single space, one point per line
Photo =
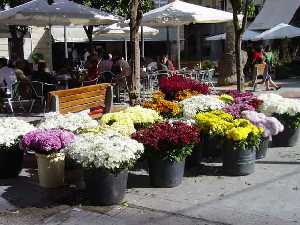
x=200 y=103
x=273 y=103
x=70 y=121
x=110 y=150
x=11 y=129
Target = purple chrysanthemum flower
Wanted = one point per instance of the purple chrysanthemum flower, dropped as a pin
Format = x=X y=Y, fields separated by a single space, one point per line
x=46 y=141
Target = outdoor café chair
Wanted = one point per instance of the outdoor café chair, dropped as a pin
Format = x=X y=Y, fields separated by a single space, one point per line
x=41 y=90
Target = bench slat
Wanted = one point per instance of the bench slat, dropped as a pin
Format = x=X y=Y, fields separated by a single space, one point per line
x=80 y=90
x=82 y=101
x=82 y=107
x=99 y=93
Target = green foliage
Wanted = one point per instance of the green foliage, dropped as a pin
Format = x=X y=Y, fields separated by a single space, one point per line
x=36 y=57
x=251 y=10
x=291 y=122
x=118 y=7
x=177 y=154
x=207 y=64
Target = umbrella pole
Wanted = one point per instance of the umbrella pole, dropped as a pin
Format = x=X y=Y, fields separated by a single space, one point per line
x=178 y=46
x=143 y=42
x=50 y=48
x=126 y=54
x=66 y=43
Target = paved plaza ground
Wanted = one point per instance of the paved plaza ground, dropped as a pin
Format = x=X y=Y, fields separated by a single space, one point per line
x=269 y=196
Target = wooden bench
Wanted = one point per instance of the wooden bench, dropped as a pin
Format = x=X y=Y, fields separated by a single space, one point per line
x=96 y=98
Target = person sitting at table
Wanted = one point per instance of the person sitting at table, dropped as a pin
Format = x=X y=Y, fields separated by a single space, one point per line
x=41 y=75
x=7 y=74
x=106 y=63
x=165 y=64
x=93 y=68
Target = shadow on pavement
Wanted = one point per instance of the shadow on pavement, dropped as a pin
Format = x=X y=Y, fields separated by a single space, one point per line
x=24 y=191
x=278 y=162
x=138 y=181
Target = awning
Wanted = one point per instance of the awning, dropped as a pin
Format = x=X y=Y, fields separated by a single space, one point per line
x=248 y=35
x=275 y=12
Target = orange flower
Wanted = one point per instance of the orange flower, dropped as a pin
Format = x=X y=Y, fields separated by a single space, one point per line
x=181 y=95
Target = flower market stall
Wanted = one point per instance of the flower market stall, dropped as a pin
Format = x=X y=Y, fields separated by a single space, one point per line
x=182 y=120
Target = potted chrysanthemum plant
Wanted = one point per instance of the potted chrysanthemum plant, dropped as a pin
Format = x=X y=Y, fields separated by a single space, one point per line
x=287 y=111
x=271 y=127
x=105 y=159
x=241 y=138
x=11 y=156
x=166 y=147
x=48 y=146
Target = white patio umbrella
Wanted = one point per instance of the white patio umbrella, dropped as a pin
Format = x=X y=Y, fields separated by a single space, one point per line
x=61 y=12
x=123 y=31
x=180 y=13
x=280 y=31
x=248 y=35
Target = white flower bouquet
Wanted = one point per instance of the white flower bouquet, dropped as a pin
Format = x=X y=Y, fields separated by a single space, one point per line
x=70 y=121
x=110 y=151
x=201 y=103
x=286 y=110
x=11 y=130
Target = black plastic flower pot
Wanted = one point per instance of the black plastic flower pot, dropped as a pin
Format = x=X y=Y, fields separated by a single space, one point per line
x=288 y=138
x=11 y=160
x=211 y=147
x=195 y=158
x=165 y=173
x=238 y=162
x=105 y=188
x=261 y=152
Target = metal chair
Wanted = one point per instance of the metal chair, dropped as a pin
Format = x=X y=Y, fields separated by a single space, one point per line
x=41 y=91
x=207 y=77
x=121 y=88
x=22 y=93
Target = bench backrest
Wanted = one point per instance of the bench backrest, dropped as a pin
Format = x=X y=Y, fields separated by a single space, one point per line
x=93 y=97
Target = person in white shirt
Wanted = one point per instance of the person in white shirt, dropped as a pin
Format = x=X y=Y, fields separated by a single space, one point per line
x=86 y=55
x=7 y=75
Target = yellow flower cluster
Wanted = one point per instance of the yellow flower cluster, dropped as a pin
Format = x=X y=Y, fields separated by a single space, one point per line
x=241 y=130
x=226 y=98
x=181 y=95
x=132 y=115
x=123 y=129
x=215 y=122
x=224 y=124
x=166 y=108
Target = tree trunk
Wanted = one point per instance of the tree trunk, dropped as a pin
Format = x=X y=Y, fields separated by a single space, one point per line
x=239 y=71
x=135 y=21
x=16 y=50
x=89 y=33
x=227 y=68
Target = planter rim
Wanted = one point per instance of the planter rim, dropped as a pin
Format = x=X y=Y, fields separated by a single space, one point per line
x=50 y=156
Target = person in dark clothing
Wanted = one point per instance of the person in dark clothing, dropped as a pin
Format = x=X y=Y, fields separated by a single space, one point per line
x=41 y=75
